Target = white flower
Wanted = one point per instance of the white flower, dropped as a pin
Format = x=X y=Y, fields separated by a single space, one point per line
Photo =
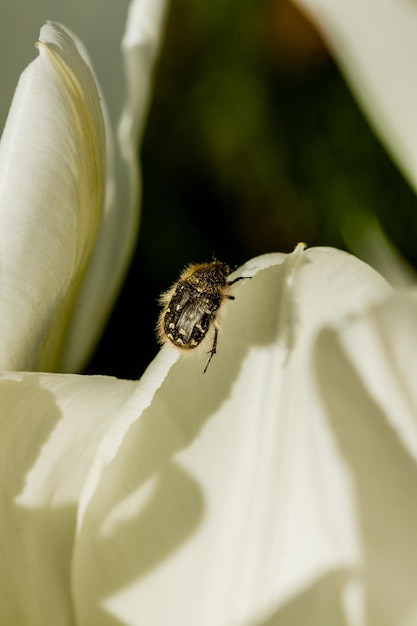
x=277 y=488
x=191 y=499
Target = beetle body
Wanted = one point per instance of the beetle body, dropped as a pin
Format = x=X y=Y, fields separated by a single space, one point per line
x=191 y=306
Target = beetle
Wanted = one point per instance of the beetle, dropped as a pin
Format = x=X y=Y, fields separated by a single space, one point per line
x=191 y=306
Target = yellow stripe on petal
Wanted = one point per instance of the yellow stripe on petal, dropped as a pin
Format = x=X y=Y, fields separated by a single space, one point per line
x=85 y=111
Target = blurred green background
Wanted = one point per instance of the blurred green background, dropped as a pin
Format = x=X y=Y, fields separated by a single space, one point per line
x=253 y=143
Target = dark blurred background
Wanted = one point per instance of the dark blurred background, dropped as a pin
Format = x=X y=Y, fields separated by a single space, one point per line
x=253 y=143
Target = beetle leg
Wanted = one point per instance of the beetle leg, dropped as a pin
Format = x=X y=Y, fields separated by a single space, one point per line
x=212 y=351
x=232 y=282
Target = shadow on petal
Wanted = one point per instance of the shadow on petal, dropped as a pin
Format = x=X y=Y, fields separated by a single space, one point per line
x=142 y=531
x=318 y=606
x=385 y=479
x=36 y=536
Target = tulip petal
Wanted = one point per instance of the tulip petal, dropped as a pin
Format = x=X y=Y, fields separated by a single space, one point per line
x=52 y=174
x=140 y=46
x=49 y=429
x=376 y=45
x=118 y=232
x=367 y=371
x=228 y=501
x=100 y=26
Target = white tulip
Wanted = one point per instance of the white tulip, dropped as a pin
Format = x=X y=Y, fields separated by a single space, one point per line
x=185 y=498
x=277 y=488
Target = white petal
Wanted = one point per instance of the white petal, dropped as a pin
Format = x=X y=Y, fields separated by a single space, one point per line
x=118 y=232
x=49 y=429
x=100 y=26
x=375 y=43
x=228 y=498
x=367 y=376
x=140 y=45
x=52 y=174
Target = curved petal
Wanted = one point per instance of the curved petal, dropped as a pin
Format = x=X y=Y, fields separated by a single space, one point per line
x=52 y=175
x=49 y=428
x=100 y=26
x=228 y=501
x=118 y=232
x=375 y=43
x=366 y=368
